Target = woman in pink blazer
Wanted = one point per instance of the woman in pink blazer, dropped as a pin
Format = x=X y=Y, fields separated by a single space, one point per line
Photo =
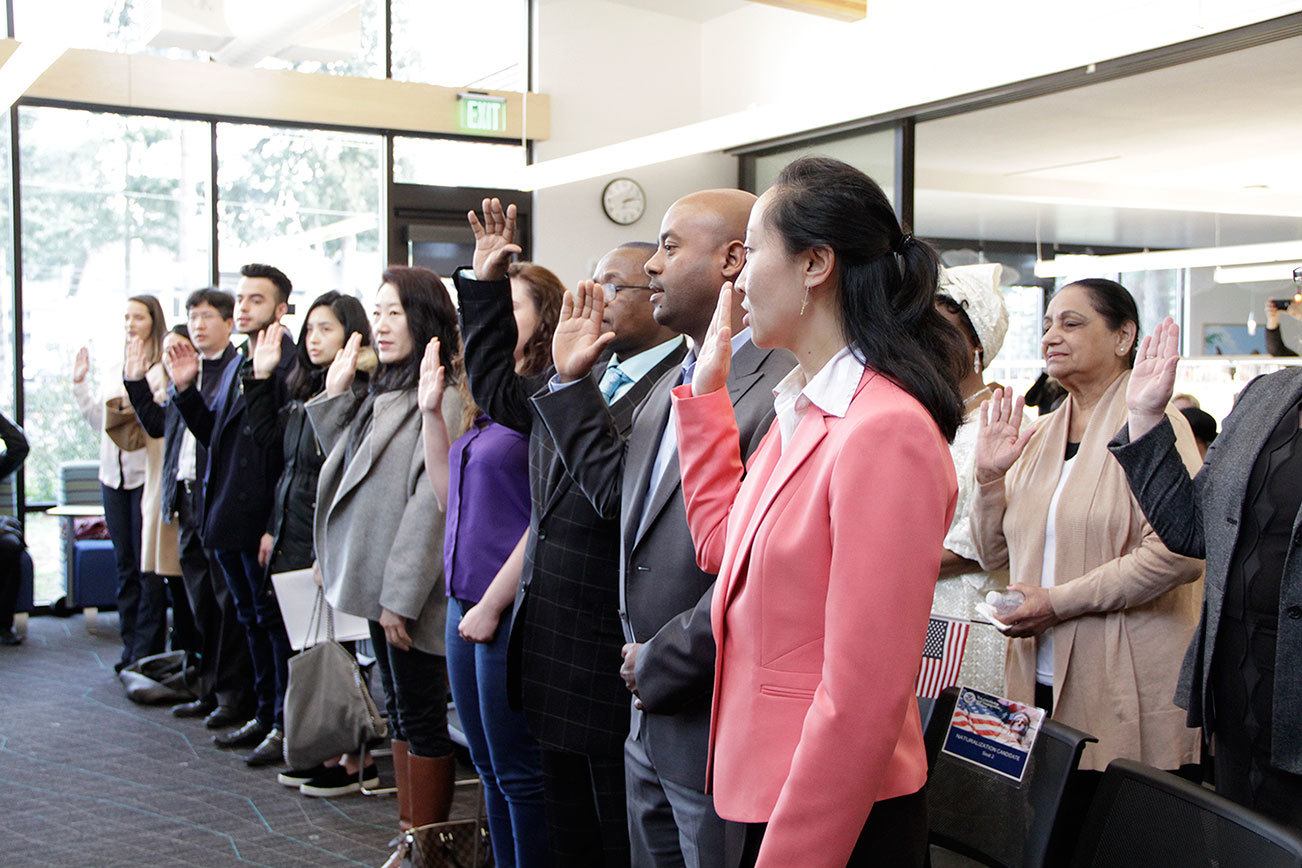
x=827 y=546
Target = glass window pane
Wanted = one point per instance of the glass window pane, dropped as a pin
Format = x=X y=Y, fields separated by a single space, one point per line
x=6 y=282
x=479 y=44
x=305 y=201
x=111 y=206
x=449 y=163
x=871 y=153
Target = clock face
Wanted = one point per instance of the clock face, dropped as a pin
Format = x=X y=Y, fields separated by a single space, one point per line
x=624 y=201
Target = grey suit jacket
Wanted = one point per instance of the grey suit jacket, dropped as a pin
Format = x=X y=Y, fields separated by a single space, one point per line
x=664 y=596
x=378 y=527
x=1200 y=518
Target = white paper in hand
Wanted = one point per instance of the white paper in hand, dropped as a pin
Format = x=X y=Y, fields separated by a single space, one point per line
x=296 y=594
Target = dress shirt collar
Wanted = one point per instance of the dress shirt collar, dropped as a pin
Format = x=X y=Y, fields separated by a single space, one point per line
x=739 y=340
x=637 y=366
x=831 y=390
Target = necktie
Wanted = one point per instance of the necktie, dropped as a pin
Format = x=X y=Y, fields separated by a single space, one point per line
x=612 y=381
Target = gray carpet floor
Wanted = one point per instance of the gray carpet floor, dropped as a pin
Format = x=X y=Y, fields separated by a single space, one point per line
x=89 y=778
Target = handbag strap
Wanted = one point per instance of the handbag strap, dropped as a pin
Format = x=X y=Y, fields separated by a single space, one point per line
x=322 y=613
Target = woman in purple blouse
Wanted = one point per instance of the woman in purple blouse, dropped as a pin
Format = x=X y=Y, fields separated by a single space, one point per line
x=483 y=481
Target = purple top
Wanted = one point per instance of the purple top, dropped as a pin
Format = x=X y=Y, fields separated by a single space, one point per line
x=488 y=506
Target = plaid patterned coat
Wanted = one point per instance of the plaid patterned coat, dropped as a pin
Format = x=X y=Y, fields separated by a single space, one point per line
x=563 y=655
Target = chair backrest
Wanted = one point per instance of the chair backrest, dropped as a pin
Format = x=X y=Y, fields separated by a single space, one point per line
x=990 y=818
x=8 y=496
x=79 y=483
x=1143 y=816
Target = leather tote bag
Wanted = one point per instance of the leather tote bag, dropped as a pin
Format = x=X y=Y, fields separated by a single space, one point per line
x=328 y=706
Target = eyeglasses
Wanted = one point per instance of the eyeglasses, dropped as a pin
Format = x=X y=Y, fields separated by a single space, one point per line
x=611 y=289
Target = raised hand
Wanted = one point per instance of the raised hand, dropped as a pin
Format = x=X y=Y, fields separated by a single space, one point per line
x=430 y=391
x=1153 y=380
x=578 y=340
x=135 y=363
x=81 y=366
x=339 y=379
x=1000 y=436
x=494 y=239
x=714 y=355
x=183 y=362
x=266 y=357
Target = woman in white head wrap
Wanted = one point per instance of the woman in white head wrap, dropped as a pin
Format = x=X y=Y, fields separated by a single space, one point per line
x=969 y=297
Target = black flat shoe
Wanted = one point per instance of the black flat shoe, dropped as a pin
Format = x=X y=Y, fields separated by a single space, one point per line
x=270 y=751
x=10 y=636
x=297 y=777
x=223 y=716
x=197 y=708
x=247 y=735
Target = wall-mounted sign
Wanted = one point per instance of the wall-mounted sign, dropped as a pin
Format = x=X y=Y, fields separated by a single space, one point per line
x=481 y=112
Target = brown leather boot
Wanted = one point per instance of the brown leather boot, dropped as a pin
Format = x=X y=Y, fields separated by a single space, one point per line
x=402 y=782
x=431 y=781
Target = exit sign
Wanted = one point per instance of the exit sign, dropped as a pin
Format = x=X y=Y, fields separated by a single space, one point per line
x=481 y=113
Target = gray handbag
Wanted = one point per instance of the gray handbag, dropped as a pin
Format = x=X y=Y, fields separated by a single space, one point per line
x=328 y=706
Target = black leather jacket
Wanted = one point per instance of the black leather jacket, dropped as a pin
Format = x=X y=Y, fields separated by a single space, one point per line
x=277 y=419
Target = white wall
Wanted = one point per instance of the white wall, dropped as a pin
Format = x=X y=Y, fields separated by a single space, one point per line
x=613 y=72
x=907 y=52
x=571 y=232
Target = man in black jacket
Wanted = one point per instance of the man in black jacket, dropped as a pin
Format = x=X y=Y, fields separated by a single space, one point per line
x=664 y=596
x=565 y=637
x=238 y=490
x=224 y=673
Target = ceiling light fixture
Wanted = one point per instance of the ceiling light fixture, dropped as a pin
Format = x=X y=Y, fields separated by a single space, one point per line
x=1078 y=265
x=1282 y=271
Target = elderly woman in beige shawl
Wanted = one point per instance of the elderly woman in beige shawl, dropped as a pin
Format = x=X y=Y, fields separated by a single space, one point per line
x=1109 y=609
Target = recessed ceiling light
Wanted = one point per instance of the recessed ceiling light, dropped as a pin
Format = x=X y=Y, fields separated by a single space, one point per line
x=1257 y=187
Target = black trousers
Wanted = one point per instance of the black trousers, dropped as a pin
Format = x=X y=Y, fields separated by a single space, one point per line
x=11 y=578
x=141 y=600
x=225 y=673
x=415 y=695
x=587 y=810
x=895 y=835
x=185 y=635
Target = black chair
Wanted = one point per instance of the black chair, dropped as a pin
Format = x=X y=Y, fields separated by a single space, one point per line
x=1143 y=816
x=992 y=819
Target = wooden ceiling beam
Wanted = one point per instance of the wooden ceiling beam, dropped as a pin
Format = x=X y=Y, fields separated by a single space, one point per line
x=841 y=10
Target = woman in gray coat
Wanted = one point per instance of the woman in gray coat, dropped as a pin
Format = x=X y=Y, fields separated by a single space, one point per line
x=378 y=528
x=1243 y=512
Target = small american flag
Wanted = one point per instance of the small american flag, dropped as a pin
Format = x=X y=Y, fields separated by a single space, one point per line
x=983 y=724
x=942 y=655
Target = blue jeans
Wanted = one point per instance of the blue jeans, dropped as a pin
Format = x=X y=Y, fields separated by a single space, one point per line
x=259 y=614
x=504 y=752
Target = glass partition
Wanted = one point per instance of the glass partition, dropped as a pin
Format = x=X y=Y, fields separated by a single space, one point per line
x=306 y=201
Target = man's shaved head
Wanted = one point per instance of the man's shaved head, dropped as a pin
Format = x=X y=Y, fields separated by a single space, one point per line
x=700 y=248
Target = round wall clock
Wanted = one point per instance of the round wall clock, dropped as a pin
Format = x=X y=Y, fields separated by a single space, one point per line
x=624 y=201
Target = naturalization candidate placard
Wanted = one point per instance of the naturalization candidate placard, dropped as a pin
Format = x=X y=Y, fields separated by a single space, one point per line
x=993 y=732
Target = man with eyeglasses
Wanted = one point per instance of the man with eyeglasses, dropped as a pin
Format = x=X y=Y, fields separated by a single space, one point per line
x=638 y=342
x=664 y=596
x=225 y=672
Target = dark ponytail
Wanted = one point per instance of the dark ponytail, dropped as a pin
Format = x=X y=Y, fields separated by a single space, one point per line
x=887 y=279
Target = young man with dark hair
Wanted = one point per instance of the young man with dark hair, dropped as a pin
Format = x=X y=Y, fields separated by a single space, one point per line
x=238 y=491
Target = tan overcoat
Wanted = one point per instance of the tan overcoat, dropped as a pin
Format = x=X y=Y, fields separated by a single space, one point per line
x=1129 y=605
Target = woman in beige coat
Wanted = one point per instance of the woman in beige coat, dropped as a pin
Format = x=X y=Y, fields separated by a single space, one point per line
x=1109 y=609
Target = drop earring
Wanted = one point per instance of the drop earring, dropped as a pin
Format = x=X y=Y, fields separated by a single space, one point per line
x=976 y=362
x=805 y=303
